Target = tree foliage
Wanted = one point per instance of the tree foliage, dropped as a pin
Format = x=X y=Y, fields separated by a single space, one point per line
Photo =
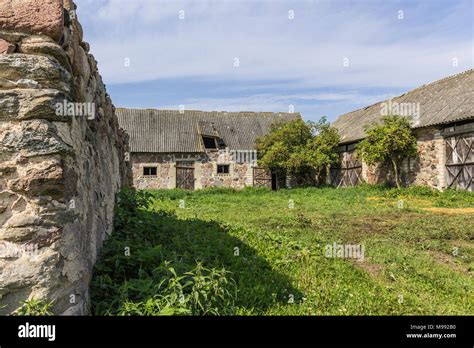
x=302 y=149
x=389 y=142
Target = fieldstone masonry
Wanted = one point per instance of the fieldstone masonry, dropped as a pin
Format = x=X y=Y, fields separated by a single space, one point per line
x=205 y=170
x=427 y=169
x=59 y=172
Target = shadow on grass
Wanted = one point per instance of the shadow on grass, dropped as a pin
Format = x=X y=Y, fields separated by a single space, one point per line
x=155 y=237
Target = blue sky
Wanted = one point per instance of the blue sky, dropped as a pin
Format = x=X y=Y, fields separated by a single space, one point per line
x=323 y=58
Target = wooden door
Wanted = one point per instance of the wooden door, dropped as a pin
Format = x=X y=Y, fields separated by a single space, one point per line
x=185 y=175
x=261 y=178
x=460 y=161
x=264 y=178
x=348 y=172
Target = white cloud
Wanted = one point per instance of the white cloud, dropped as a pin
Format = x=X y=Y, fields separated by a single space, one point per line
x=274 y=103
x=294 y=57
x=308 y=50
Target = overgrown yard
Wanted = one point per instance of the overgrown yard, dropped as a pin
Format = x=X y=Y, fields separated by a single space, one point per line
x=257 y=252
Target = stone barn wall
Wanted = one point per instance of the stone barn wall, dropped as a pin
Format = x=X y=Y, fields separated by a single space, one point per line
x=59 y=171
x=427 y=169
x=205 y=170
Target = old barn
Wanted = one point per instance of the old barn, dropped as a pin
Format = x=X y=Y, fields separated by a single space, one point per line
x=442 y=115
x=197 y=149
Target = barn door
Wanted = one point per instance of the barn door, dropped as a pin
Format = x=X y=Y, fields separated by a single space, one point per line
x=261 y=178
x=264 y=178
x=460 y=161
x=185 y=175
x=349 y=170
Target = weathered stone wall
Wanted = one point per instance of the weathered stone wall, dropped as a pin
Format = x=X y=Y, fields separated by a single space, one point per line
x=59 y=170
x=240 y=174
x=205 y=170
x=427 y=169
x=166 y=171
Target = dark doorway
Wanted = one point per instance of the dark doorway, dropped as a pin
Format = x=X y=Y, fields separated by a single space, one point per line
x=274 y=181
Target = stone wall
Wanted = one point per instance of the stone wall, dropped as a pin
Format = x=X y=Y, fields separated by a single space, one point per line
x=427 y=169
x=205 y=170
x=60 y=168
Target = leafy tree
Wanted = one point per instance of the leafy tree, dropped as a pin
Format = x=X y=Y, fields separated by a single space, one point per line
x=322 y=148
x=302 y=149
x=389 y=142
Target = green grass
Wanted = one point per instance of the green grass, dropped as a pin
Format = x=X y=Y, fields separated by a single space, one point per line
x=263 y=253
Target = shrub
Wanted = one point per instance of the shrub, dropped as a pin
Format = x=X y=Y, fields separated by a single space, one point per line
x=303 y=150
x=34 y=307
x=145 y=282
x=129 y=202
x=390 y=142
x=200 y=291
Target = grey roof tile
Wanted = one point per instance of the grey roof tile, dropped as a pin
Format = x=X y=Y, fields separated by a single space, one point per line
x=169 y=131
x=441 y=102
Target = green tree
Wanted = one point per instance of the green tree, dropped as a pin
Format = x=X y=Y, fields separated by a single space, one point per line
x=303 y=150
x=322 y=148
x=389 y=142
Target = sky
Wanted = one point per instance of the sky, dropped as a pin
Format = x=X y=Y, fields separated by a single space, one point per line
x=319 y=58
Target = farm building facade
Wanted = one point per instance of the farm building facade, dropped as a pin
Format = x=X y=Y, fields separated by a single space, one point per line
x=442 y=116
x=197 y=149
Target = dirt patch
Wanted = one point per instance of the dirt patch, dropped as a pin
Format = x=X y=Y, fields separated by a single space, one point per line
x=409 y=202
x=449 y=261
x=372 y=268
x=383 y=224
x=450 y=211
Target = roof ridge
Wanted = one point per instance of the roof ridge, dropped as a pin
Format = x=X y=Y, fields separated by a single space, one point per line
x=411 y=90
x=438 y=81
x=203 y=111
x=443 y=101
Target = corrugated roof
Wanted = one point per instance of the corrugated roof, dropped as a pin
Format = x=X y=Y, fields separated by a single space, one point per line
x=207 y=129
x=169 y=131
x=444 y=101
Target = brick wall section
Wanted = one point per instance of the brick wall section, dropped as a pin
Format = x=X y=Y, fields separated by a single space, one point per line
x=58 y=174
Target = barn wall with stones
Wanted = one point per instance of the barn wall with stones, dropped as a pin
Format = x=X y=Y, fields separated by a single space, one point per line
x=205 y=170
x=59 y=170
x=427 y=169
